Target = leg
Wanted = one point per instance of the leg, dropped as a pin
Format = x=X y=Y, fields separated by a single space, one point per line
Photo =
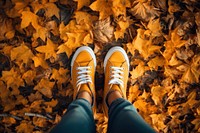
x=123 y=118
x=78 y=119
x=79 y=116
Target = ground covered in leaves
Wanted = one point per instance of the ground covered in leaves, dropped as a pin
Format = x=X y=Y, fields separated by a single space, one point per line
x=38 y=38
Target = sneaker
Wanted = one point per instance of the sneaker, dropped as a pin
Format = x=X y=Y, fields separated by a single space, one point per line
x=116 y=70
x=83 y=72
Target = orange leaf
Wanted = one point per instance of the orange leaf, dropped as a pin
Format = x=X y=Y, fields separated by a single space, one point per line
x=60 y=75
x=82 y=3
x=13 y=80
x=29 y=76
x=155 y=62
x=45 y=87
x=138 y=71
x=39 y=61
x=103 y=7
x=29 y=18
x=51 y=9
x=25 y=127
x=21 y=53
x=48 y=50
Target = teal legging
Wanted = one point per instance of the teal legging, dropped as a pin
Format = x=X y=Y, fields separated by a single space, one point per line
x=123 y=118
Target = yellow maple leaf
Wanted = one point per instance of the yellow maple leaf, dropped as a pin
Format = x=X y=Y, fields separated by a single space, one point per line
x=29 y=18
x=174 y=61
x=84 y=18
x=45 y=87
x=29 y=76
x=138 y=71
x=13 y=80
x=64 y=49
x=41 y=32
x=155 y=62
x=39 y=61
x=103 y=7
x=74 y=35
x=154 y=27
x=176 y=39
x=119 y=7
x=48 y=50
x=51 y=9
x=121 y=28
x=82 y=3
x=36 y=5
x=143 y=45
x=157 y=94
x=60 y=75
x=21 y=53
x=191 y=75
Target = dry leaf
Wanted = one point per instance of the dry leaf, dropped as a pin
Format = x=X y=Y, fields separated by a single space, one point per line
x=21 y=53
x=103 y=30
x=12 y=79
x=48 y=50
x=82 y=3
x=39 y=61
x=45 y=87
x=103 y=7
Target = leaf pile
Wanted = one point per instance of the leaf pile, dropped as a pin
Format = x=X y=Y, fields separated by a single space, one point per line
x=38 y=38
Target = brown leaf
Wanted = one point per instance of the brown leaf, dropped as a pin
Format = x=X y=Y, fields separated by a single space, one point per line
x=142 y=9
x=103 y=30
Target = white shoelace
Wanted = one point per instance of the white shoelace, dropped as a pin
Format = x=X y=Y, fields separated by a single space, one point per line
x=83 y=75
x=117 y=76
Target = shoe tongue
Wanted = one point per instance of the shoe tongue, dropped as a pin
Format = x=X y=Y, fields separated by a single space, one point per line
x=85 y=87
x=83 y=63
x=116 y=64
x=115 y=87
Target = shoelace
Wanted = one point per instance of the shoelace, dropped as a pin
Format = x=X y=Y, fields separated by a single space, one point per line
x=117 y=76
x=83 y=76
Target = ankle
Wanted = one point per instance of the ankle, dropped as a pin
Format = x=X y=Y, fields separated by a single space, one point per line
x=113 y=96
x=85 y=95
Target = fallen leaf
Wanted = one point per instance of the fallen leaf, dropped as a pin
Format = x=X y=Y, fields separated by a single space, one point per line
x=29 y=76
x=39 y=61
x=60 y=75
x=138 y=71
x=45 y=87
x=82 y=3
x=51 y=9
x=25 y=127
x=103 y=7
x=29 y=18
x=121 y=28
x=156 y=62
x=103 y=30
x=21 y=53
x=119 y=7
x=143 y=45
x=142 y=9
x=13 y=80
x=49 y=49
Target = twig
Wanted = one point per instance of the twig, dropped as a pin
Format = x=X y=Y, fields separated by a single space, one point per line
x=10 y=115
x=38 y=115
